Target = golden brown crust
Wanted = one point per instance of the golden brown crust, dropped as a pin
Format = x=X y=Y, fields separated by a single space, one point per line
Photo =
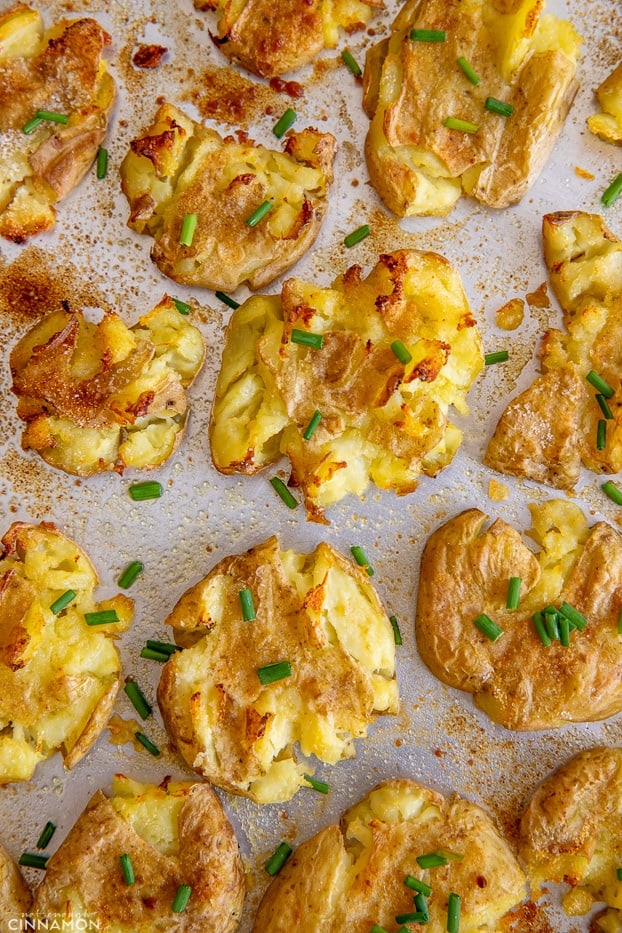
x=15 y=898
x=607 y=124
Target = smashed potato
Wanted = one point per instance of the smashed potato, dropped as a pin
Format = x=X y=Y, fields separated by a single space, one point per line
x=571 y=832
x=99 y=397
x=382 y=420
x=61 y=71
x=179 y=168
x=519 y=681
x=316 y=613
x=15 y=897
x=548 y=431
x=174 y=834
x=607 y=124
x=270 y=38
x=59 y=675
x=352 y=876
x=417 y=164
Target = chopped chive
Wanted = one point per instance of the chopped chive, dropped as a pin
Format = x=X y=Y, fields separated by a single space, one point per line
x=564 y=631
x=431 y=860
x=137 y=699
x=278 y=858
x=102 y=163
x=487 y=627
x=270 y=673
x=279 y=486
x=312 y=426
x=467 y=69
x=283 y=124
x=415 y=916
x=513 y=597
x=450 y=855
x=46 y=834
x=357 y=235
x=401 y=352
x=52 y=117
x=230 y=302
x=551 y=623
x=62 y=602
x=103 y=617
x=464 y=126
x=31 y=860
x=351 y=63
x=453 y=913
x=397 y=635
x=619 y=874
x=599 y=384
x=307 y=339
x=152 y=654
x=32 y=125
x=499 y=356
x=259 y=214
x=538 y=621
x=415 y=884
x=181 y=306
x=620 y=633
x=130 y=574
x=166 y=647
x=601 y=434
x=499 y=107
x=188 y=229
x=612 y=491
x=421 y=906
x=359 y=556
x=147 y=743
x=377 y=929
x=604 y=406
x=150 y=489
x=427 y=35
x=611 y=194
x=573 y=615
x=321 y=786
x=248 y=606
x=181 y=898
x=127 y=868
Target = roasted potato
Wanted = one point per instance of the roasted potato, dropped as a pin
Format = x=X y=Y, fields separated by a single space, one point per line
x=270 y=38
x=420 y=166
x=174 y=834
x=520 y=680
x=571 y=832
x=317 y=613
x=382 y=420
x=551 y=429
x=179 y=168
x=607 y=124
x=59 y=70
x=103 y=396
x=15 y=897
x=59 y=675
x=352 y=876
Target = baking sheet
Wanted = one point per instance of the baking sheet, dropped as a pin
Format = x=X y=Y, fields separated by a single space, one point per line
x=95 y=261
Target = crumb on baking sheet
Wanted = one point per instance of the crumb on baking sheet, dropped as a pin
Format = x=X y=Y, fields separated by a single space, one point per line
x=539 y=298
x=149 y=56
x=511 y=314
x=583 y=173
x=497 y=491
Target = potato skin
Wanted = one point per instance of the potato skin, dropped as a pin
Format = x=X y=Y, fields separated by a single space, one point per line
x=607 y=124
x=15 y=898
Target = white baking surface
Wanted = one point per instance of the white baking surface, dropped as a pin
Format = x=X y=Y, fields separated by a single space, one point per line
x=94 y=260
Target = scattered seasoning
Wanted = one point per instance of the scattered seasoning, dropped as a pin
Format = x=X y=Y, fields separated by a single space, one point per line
x=312 y=426
x=499 y=356
x=415 y=884
x=401 y=352
x=103 y=617
x=46 y=834
x=137 y=699
x=614 y=492
x=150 y=489
x=431 y=860
x=230 y=302
x=499 y=107
x=181 y=306
x=601 y=434
x=147 y=743
x=453 y=913
x=468 y=70
x=259 y=214
x=279 y=486
x=321 y=786
x=351 y=63
x=248 y=606
x=397 y=635
x=188 y=229
x=359 y=556
x=270 y=673
x=427 y=35
x=62 y=602
x=612 y=193
x=604 y=406
x=599 y=384
x=513 y=597
x=455 y=123
x=278 y=858
x=538 y=621
x=130 y=574
x=306 y=339
x=181 y=898
x=357 y=235
x=487 y=627
x=127 y=869
x=283 y=124
x=32 y=860
x=101 y=169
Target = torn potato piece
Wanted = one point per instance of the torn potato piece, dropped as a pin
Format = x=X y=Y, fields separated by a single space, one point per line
x=15 y=897
x=174 y=834
x=59 y=70
x=179 y=168
x=319 y=615
x=59 y=676
x=607 y=124
x=99 y=397
x=519 y=681
x=383 y=420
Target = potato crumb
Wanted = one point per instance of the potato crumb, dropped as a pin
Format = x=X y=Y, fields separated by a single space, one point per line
x=511 y=315
x=583 y=173
x=577 y=902
x=123 y=731
x=539 y=298
x=497 y=491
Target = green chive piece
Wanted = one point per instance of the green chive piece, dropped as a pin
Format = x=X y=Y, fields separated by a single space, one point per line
x=450 y=855
x=32 y=125
x=166 y=647
x=604 y=406
x=102 y=163
x=599 y=384
x=487 y=627
x=573 y=615
x=601 y=434
x=62 y=602
x=538 y=621
x=181 y=306
x=31 y=860
x=130 y=574
x=513 y=597
x=147 y=743
x=377 y=929
x=279 y=486
x=46 y=834
x=397 y=635
x=620 y=633
x=103 y=617
x=351 y=63
x=612 y=193
x=413 y=917
x=259 y=214
x=312 y=426
x=551 y=623
x=614 y=492
x=137 y=699
x=464 y=126
x=401 y=352
x=468 y=70
x=188 y=229
x=359 y=556
x=181 y=898
x=307 y=339
x=421 y=906
x=428 y=35
x=151 y=654
x=283 y=124
x=248 y=606
x=230 y=302
x=278 y=858
x=564 y=631
x=270 y=673
x=453 y=913
x=619 y=874
x=431 y=860
x=357 y=235
x=415 y=884
x=127 y=868
x=321 y=786
x=52 y=117
x=499 y=107
x=150 y=489
x=499 y=356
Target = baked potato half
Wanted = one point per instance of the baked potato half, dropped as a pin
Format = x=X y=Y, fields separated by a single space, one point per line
x=319 y=619
x=521 y=679
x=58 y=70
x=15 y=898
x=352 y=876
x=552 y=428
x=179 y=169
x=417 y=163
x=607 y=124
x=571 y=832
x=175 y=834
x=59 y=675
x=98 y=397
x=383 y=420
